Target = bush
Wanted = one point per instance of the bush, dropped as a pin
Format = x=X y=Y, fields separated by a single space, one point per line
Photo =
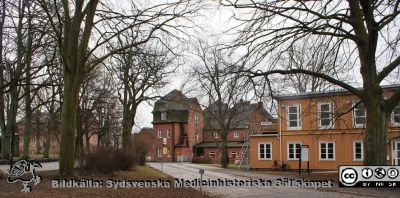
x=140 y=150
x=125 y=160
x=106 y=160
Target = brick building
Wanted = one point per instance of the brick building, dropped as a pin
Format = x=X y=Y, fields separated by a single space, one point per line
x=246 y=119
x=177 y=126
x=312 y=119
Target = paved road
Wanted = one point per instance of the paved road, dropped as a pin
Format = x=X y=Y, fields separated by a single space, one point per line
x=189 y=171
x=45 y=166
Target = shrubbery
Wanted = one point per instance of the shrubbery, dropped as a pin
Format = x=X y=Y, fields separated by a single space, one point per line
x=106 y=160
x=140 y=149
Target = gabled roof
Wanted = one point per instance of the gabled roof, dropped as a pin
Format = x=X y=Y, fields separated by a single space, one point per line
x=174 y=100
x=239 y=114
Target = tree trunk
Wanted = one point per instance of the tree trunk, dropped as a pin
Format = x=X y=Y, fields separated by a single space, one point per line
x=80 y=133
x=28 y=125
x=28 y=99
x=87 y=139
x=224 y=150
x=128 y=122
x=375 y=132
x=51 y=125
x=38 y=134
x=68 y=124
x=49 y=131
x=2 y=106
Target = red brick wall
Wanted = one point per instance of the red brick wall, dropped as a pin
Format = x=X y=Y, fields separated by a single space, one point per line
x=208 y=135
x=158 y=142
x=216 y=159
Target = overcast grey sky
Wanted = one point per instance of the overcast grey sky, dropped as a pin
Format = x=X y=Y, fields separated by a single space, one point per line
x=214 y=20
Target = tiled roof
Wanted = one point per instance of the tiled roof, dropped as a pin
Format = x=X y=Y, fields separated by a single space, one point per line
x=240 y=117
x=176 y=104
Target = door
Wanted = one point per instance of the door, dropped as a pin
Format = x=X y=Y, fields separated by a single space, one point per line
x=396 y=152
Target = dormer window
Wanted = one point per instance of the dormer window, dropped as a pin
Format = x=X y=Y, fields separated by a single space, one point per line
x=164 y=115
x=216 y=134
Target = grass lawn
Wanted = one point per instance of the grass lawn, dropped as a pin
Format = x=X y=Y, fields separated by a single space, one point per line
x=44 y=189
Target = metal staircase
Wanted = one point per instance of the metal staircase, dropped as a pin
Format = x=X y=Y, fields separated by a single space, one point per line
x=245 y=152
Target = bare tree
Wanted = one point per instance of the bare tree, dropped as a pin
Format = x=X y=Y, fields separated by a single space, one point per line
x=2 y=68
x=224 y=88
x=357 y=25
x=82 y=20
x=142 y=72
x=316 y=55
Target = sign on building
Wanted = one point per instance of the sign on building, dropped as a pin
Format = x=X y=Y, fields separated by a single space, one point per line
x=304 y=154
x=164 y=141
x=164 y=150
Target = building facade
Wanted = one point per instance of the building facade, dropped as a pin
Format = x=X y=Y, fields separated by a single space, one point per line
x=331 y=124
x=247 y=118
x=177 y=126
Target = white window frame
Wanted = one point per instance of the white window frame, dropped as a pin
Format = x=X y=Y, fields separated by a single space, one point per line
x=168 y=133
x=326 y=152
x=196 y=137
x=298 y=127
x=233 y=152
x=159 y=152
x=265 y=155
x=295 y=150
x=196 y=118
x=215 y=134
x=168 y=152
x=354 y=150
x=160 y=133
x=393 y=115
x=354 y=116
x=212 y=153
x=163 y=115
x=236 y=134
x=331 y=124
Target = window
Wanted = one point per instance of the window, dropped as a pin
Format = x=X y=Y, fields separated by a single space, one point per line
x=168 y=152
x=233 y=155
x=327 y=151
x=212 y=154
x=293 y=150
x=358 y=151
x=196 y=118
x=396 y=115
x=196 y=136
x=359 y=115
x=325 y=115
x=168 y=133
x=159 y=152
x=216 y=134
x=163 y=115
x=159 y=133
x=293 y=113
x=265 y=151
x=235 y=134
